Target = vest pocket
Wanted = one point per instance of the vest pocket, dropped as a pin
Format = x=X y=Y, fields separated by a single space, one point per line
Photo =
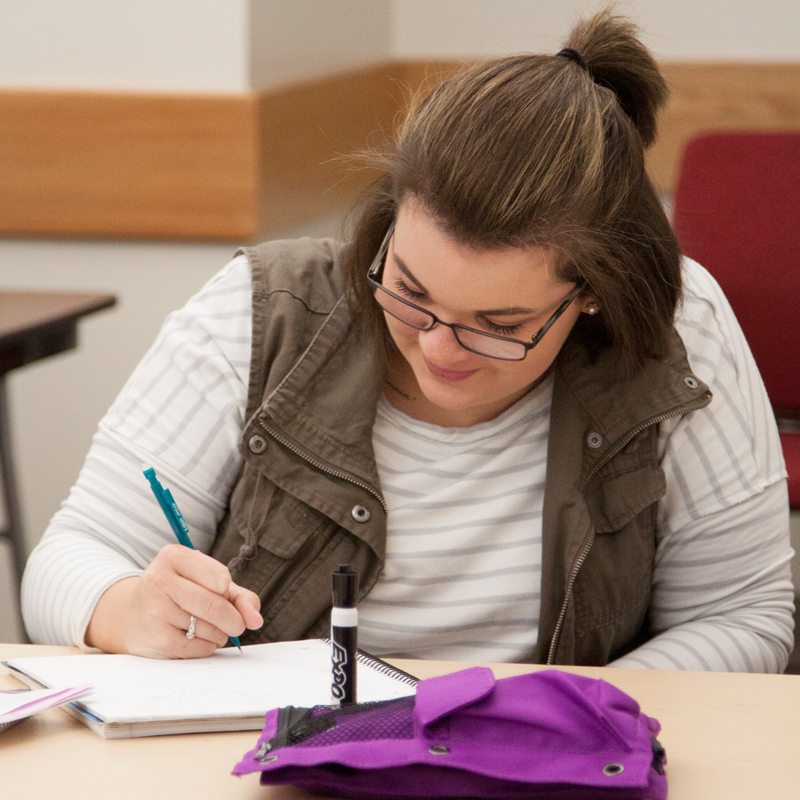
x=291 y=523
x=616 y=499
x=270 y=527
x=277 y=541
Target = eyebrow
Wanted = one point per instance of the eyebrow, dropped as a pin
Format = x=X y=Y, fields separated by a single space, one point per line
x=493 y=312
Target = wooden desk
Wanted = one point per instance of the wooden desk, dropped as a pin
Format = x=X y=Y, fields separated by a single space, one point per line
x=728 y=737
x=33 y=325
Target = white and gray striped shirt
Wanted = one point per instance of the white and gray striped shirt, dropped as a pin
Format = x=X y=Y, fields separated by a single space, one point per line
x=465 y=506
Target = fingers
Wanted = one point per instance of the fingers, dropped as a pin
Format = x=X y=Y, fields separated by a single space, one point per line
x=204 y=588
x=180 y=621
x=201 y=586
x=248 y=604
x=149 y=614
x=196 y=567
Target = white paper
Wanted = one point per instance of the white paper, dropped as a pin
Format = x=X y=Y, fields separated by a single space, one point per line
x=228 y=684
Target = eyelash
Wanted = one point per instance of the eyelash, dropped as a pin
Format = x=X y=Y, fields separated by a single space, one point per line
x=500 y=330
x=409 y=293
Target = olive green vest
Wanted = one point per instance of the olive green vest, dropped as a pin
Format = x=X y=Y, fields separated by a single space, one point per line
x=308 y=497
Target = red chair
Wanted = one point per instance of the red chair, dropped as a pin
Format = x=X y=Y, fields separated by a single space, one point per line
x=737 y=212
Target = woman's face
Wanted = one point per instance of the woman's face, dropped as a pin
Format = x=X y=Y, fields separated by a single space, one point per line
x=510 y=292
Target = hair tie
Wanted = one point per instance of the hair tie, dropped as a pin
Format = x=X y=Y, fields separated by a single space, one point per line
x=574 y=55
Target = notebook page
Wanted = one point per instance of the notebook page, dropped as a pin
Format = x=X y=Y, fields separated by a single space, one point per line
x=228 y=684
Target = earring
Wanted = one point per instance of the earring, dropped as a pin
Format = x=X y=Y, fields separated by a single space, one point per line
x=592 y=309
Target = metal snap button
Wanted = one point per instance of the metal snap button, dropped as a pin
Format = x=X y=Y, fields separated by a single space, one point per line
x=360 y=514
x=257 y=444
x=613 y=769
x=594 y=440
x=439 y=750
x=691 y=382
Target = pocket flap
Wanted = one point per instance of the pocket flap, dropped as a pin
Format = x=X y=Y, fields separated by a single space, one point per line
x=441 y=696
x=616 y=500
x=290 y=524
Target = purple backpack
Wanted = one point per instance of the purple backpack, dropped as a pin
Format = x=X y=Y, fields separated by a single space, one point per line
x=543 y=735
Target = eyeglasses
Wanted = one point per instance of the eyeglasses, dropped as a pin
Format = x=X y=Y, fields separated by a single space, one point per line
x=480 y=342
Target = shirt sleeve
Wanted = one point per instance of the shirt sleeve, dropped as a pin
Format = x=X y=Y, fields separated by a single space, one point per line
x=182 y=412
x=722 y=597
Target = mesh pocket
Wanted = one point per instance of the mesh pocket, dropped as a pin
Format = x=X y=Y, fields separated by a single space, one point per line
x=389 y=719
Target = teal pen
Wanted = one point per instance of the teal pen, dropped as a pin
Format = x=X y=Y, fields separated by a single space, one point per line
x=174 y=516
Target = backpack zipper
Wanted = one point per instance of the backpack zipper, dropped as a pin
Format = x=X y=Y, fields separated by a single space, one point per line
x=680 y=411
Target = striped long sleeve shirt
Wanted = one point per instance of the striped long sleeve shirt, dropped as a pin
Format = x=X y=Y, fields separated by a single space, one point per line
x=464 y=528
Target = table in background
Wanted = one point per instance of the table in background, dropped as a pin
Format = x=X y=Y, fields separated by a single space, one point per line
x=727 y=736
x=33 y=325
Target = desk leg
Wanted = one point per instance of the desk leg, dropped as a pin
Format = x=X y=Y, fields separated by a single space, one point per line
x=13 y=532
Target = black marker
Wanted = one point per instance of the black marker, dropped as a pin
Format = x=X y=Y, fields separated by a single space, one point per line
x=344 y=635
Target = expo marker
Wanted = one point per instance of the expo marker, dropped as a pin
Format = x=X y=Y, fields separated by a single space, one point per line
x=344 y=635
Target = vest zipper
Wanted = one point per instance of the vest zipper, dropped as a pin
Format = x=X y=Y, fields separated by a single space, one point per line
x=323 y=467
x=676 y=412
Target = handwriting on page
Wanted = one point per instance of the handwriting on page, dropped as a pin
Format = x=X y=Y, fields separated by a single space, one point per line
x=227 y=684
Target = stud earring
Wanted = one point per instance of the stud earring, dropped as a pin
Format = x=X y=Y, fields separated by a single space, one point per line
x=592 y=309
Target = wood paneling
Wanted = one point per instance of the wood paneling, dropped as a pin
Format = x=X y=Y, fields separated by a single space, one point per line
x=121 y=165
x=706 y=97
x=309 y=133
x=238 y=167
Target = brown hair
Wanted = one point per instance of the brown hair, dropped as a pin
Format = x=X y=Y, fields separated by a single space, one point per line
x=539 y=150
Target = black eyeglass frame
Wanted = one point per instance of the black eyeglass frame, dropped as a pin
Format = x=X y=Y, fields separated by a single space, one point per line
x=375 y=275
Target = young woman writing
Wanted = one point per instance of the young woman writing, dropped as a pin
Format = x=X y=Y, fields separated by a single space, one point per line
x=535 y=431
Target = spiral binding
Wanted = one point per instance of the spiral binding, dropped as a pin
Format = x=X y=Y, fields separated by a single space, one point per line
x=384 y=667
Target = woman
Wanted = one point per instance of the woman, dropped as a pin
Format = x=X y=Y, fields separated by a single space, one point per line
x=492 y=403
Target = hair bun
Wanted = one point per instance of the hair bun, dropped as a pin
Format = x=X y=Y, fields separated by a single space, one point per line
x=617 y=60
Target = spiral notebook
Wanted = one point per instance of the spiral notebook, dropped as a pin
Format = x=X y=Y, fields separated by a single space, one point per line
x=230 y=691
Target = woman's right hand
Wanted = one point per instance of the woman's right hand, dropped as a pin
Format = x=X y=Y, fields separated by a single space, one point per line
x=149 y=614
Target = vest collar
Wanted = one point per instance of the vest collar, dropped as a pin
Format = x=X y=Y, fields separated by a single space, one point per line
x=618 y=405
x=316 y=405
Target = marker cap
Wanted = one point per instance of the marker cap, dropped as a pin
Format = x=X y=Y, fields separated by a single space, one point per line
x=345 y=587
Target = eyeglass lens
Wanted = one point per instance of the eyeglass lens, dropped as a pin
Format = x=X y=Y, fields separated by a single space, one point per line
x=483 y=344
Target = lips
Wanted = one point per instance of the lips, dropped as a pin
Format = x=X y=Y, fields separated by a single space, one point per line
x=450 y=375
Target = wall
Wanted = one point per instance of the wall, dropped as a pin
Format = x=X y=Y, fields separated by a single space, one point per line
x=306 y=39
x=695 y=30
x=146 y=45
x=160 y=46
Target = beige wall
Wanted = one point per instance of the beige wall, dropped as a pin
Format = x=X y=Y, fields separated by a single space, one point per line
x=231 y=46
x=676 y=30
x=149 y=45
x=303 y=39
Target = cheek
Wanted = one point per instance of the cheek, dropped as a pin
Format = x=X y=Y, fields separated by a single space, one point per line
x=403 y=335
x=513 y=376
x=518 y=375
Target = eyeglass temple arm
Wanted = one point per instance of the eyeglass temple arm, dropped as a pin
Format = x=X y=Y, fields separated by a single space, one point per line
x=559 y=311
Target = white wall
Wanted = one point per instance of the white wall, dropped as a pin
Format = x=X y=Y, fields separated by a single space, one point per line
x=302 y=39
x=125 y=45
x=230 y=46
x=697 y=30
x=204 y=46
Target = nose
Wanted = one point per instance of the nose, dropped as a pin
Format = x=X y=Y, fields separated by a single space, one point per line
x=439 y=345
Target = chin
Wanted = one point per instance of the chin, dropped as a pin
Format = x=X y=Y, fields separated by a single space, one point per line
x=452 y=396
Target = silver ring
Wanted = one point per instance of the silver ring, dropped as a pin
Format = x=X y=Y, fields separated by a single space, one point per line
x=190 y=632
